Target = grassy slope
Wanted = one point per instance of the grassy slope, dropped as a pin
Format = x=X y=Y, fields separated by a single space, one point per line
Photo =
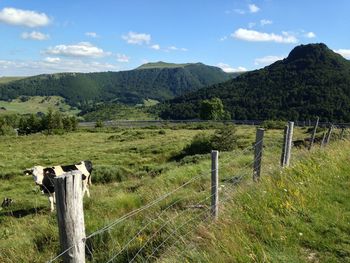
x=135 y=168
x=4 y=80
x=120 y=112
x=36 y=104
x=299 y=215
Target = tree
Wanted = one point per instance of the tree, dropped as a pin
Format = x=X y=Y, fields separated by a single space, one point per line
x=213 y=109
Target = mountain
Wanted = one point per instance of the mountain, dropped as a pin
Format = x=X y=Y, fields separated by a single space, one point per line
x=311 y=81
x=158 y=81
x=161 y=64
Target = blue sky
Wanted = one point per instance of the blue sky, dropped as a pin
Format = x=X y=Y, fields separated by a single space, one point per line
x=86 y=36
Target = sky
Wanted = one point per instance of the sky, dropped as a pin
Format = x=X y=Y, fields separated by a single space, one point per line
x=111 y=35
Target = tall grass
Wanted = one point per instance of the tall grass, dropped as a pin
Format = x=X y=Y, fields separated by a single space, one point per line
x=132 y=169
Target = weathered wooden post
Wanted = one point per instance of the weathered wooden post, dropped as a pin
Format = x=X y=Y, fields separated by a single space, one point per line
x=323 y=142
x=313 y=134
x=342 y=133
x=215 y=184
x=70 y=216
x=287 y=144
x=284 y=146
x=329 y=133
x=258 y=153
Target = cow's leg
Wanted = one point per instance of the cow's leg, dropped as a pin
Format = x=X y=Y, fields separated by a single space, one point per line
x=85 y=188
x=51 y=199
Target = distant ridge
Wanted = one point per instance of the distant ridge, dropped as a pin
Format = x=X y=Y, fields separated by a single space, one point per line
x=161 y=64
x=158 y=81
x=312 y=81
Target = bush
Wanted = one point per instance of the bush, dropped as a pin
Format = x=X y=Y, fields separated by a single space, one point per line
x=273 y=124
x=107 y=174
x=99 y=124
x=200 y=144
x=224 y=139
x=7 y=130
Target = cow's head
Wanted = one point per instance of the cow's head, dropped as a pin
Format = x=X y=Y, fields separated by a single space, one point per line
x=37 y=172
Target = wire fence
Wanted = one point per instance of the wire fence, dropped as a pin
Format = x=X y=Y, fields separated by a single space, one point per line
x=173 y=223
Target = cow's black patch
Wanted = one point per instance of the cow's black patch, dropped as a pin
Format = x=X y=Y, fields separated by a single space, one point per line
x=48 y=184
x=69 y=168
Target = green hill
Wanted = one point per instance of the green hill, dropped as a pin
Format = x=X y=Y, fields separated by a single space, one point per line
x=161 y=64
x=147 y=82
x=5 y=80
x=312 y=80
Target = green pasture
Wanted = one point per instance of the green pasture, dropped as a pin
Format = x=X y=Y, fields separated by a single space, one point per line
x=133 y=167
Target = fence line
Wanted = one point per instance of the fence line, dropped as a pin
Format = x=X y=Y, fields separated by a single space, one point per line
x=258 y=146
x=136 y=211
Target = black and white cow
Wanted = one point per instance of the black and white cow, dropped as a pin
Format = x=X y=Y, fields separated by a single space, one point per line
x=43 y=176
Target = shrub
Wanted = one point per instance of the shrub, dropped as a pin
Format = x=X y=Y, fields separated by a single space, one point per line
x=107 y=174
x=99 y=124
x=273 y=124
x=200 y=144
x=224 y=139
x=7 y=130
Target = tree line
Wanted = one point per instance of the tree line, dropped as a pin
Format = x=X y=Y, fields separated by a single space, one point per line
x=53 y=122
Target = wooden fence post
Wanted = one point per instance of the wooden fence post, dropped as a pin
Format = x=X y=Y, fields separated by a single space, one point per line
x=342 y=133
x=215 y=184
x=314 y=134
x=329 y=133
x=258 y=153
x=287 y=144
x=323 y=142
x=70 y=216
x=284 y=146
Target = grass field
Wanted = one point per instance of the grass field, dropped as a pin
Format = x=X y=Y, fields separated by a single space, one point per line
x=36 y=104
x=133 y=167
x=5 y=80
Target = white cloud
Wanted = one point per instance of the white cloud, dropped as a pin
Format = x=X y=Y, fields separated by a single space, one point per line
x=229 y=69
x=253 y=8
x=19 y=17
x=137 y=38
x=91 y=34
x=52 y=60
x=344 y=52
x=255 y=36
x=267 y=60
x=52 y=65
x=223 y=38
x=122 y=58
x=173 y=48
x=310 y=35
x=155 y=47
x=264 y=22
x=82 y=49
x=35 y=35
x=251 y=24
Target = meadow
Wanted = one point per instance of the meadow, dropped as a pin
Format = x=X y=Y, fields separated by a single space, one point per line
x=132 y=168
x=36 y=104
